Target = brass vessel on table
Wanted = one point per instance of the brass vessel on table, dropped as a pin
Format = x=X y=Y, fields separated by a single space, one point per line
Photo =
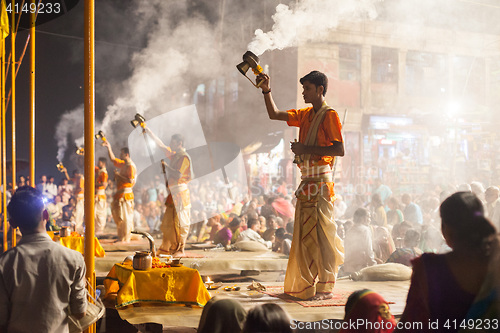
x=142 y=260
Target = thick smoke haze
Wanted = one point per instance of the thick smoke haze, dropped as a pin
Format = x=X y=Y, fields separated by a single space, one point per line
x=70 y=127
x=311 y=19
x=182 y=46
x=165 y=49
x=179 y=51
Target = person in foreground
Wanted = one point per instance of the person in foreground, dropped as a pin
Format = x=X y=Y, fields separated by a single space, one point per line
x=267 y=318
x=444 y=286
x=316 y=250
x=370 y=309
x=39 y=279
x=222 y=315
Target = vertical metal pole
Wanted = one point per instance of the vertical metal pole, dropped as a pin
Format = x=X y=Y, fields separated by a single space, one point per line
x=32 y=99
x=13 y=103
x=89 y=115
x=2 y=170
x=4 y=155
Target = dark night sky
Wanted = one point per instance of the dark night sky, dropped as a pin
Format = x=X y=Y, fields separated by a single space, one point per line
x=59 y=78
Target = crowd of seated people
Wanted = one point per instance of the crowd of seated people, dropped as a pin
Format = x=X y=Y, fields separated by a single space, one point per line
x=452 y=248
x=448 y=240
x=263 y=222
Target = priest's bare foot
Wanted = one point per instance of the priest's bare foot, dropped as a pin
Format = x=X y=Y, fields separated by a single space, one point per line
x=163 y=251
x=179 y=254
x=321 y=296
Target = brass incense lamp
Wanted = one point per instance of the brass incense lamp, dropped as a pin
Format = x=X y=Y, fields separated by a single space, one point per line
x=297 y=159
x=60 y=167
x=250 y=60
x=100 y=135
x=80 y=151
x=138 y=121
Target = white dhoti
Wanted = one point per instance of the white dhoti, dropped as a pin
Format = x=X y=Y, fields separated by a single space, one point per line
x=101 y=209
x=123 y=215
x=316 y=250
x=79 y=212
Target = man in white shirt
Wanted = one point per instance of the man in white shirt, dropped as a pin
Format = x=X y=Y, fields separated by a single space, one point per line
x=50 y=189
x=42 y=185
x=251 y=233
x=492 y=207
x=358 y=243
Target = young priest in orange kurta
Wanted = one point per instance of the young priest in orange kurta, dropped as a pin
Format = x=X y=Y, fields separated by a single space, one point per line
x=316 y=250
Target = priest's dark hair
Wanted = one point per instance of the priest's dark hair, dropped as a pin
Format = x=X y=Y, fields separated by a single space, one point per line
x=317 y=78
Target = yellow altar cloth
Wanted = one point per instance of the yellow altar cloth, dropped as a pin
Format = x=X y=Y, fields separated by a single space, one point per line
x=77 y=243
x=174 y=285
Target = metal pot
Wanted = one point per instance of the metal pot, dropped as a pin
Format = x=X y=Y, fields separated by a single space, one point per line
x=64 y=232
x=142 y=260
x=152 y=247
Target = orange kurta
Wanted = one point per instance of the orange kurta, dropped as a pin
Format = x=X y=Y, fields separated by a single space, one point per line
x=101 y=207
x=316 y=250
x=79 y=185
x=127 y=170
x=181 y=163
x=101 y=181
x=329 y=130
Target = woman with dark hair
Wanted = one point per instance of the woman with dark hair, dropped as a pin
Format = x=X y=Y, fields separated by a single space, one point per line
x=267 y=318
x=443 y=286
x=222 y=315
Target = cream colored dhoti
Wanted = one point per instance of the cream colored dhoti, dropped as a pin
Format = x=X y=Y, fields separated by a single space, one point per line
x=101 y=208
x=79 y=212
x=317 y=250
x=123 y=215
x=176 y=221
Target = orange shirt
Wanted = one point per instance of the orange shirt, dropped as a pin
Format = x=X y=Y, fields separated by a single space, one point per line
x=182 y=163
x=79 y=185
x=127 y=170
x=101 y=180
x=329 y=130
